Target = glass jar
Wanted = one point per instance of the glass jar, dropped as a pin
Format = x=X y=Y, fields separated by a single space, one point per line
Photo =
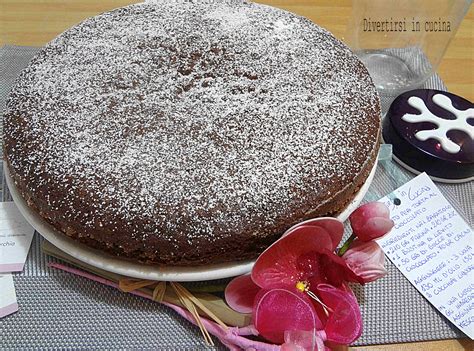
x=402 y=42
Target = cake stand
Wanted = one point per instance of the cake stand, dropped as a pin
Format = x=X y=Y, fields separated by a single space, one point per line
x=116 y=265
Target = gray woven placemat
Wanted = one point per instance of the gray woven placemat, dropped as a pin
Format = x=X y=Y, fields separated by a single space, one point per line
x=60 y=311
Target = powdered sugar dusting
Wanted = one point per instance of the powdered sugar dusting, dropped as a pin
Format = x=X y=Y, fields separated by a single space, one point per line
x=202 y=120
x=229 y=18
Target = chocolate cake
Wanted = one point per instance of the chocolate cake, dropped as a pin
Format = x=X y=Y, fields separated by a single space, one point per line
x=184 y=134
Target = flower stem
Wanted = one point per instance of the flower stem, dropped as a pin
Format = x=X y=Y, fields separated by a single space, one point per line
x=346 y=245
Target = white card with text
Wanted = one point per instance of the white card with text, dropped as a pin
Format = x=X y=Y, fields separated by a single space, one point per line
x=15 y=238
x=8 y=303
x=433 y=247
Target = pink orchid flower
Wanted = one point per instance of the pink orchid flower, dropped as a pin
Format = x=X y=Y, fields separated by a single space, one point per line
x=300 y=289
x=305 y=254
x=371 y=221
x=366 y=259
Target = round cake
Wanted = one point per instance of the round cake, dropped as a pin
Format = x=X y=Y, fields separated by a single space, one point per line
x=186 y=134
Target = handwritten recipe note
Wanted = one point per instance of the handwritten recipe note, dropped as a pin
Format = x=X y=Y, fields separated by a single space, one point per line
x=15 y=238
x=433 y=247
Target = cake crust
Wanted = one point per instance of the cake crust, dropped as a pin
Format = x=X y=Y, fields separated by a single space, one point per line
x=185 y=134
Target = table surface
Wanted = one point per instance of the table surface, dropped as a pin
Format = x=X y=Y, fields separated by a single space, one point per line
x=34 y=23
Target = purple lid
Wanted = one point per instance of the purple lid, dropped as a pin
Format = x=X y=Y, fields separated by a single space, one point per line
x=432 y=131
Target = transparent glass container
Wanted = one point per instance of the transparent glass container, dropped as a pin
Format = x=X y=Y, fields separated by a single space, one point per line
x=402 y=42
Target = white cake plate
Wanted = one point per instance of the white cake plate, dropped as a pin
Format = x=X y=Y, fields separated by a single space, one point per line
x=142 y=271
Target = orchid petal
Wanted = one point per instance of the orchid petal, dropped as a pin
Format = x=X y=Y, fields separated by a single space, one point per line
x=240 y=294
x=374 y=228
x=333 y=226
x=336 y=270
x=371 y=221
x=366 y=260
x=302 y=340
x=277 y=266
x=371 y=209
x=279 y=310
x=344 y=324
